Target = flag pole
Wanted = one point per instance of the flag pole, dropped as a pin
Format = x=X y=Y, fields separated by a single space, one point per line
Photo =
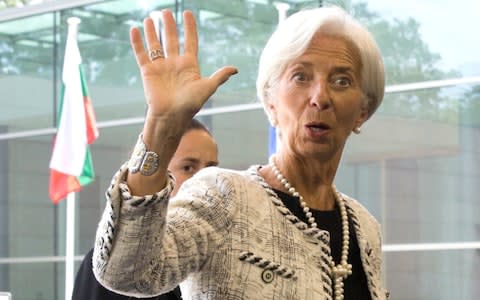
x=70 y=215
x=70 y=246
x=282 y=9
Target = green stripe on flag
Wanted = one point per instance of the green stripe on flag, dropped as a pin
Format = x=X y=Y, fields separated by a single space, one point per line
x=60 y=105
x=88 y=174
x=84 y=83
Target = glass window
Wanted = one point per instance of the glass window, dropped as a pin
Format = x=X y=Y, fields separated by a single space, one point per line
x=440 y=275
x=26 y=75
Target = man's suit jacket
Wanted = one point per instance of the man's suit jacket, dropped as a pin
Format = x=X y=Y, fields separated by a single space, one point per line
x=87 y=287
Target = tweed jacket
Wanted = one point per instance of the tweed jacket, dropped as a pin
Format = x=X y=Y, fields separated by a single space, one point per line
x=225 y=235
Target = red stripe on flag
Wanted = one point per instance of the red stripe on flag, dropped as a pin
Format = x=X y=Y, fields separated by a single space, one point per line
x=61 y=184
x=92 y=131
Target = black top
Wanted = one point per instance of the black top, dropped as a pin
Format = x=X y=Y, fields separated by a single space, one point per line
x=355 y=286
x=87 y=287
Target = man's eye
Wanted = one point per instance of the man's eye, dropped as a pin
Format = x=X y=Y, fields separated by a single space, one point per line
x=188 y=169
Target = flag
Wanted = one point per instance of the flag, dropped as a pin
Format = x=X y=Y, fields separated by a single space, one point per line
x=71 y=164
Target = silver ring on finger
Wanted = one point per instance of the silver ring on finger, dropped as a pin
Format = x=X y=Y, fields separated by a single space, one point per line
x=156 y=53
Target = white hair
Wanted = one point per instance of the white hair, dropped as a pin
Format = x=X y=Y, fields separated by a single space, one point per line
x=293 y=36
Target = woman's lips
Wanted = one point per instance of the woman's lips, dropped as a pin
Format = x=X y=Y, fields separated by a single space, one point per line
x=317 y=129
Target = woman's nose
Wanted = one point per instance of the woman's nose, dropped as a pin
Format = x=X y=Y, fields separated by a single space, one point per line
x=320 y=97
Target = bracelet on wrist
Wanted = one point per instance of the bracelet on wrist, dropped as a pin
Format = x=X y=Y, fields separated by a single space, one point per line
x=142 y=160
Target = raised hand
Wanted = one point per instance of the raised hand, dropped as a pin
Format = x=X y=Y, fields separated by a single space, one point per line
x=174 y=90
x=172 y=82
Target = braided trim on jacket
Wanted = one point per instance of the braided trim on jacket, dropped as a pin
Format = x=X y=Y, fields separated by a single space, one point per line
x=106 y=229
x=268 y=265
x=370 y=267
x=316 y=233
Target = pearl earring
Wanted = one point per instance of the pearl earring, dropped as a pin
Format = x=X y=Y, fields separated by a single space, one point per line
x=273 y=121
x=357 y=130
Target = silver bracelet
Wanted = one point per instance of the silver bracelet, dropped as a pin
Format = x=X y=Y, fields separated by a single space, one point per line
x=142 y=160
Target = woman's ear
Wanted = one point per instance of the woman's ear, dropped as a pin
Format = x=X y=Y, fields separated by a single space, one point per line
x=364 y=114
x=272 y=114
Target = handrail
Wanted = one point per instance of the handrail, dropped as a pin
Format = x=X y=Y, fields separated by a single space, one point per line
x=386 y=248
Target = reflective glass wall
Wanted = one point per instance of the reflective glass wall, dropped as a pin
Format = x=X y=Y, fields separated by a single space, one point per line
x=415 y=166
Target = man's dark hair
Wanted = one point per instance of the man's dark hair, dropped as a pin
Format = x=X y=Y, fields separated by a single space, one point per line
x=196 y=124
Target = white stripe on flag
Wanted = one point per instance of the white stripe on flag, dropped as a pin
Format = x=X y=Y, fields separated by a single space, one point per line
x=71 y=141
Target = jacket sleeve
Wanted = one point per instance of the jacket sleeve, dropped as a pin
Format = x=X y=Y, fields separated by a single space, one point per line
x=86 y=286
x=146 y=246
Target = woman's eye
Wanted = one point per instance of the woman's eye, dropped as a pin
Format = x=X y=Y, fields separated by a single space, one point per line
x=343 y=82
x=300 y=77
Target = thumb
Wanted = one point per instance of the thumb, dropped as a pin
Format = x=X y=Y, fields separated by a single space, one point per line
x=222 y=75
x=209 y=85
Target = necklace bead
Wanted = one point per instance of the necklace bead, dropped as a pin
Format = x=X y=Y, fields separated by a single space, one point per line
x=341 y=271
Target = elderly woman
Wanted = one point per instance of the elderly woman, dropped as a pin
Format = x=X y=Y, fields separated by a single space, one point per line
x=275 y=231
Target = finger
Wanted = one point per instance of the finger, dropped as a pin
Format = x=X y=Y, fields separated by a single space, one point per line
x=170 y=29
x=222 y=75
x=191 y=37
x=137 y=46
x=151 y=35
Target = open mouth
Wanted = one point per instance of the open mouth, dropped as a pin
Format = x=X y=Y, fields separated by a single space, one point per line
x=318 y=127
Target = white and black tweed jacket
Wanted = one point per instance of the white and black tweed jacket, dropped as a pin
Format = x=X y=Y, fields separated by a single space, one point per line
x=226 y=235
